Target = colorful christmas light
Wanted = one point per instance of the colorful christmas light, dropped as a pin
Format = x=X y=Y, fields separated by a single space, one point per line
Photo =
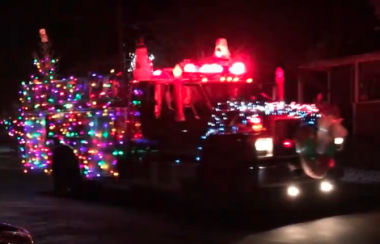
x=83 y=113
x=306 y=112
x=220 y=120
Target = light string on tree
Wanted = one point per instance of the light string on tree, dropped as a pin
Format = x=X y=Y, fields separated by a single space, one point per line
x=82 y=113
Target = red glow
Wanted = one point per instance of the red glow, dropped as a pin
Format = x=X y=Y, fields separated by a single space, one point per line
x=190 y=68
x=211 y=68
x=287 y=144
x=157 y=72
x=332 y=163
x=237 y=68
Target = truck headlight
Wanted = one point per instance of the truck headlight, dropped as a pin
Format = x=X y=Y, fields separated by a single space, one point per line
x=326 y=186
x=293 y=191
x=264 y=146
x=338 y=141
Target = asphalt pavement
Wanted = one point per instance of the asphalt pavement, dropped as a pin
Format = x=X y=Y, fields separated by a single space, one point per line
x=27 y=201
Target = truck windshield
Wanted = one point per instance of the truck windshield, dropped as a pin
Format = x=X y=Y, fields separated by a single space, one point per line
x=222 y=92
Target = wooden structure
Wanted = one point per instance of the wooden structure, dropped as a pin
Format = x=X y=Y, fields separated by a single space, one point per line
x=352 y=83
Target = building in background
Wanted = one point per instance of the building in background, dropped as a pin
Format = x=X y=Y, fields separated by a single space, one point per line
x=352 y=83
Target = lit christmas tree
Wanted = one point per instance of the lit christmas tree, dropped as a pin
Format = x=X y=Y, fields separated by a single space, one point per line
x=44 y=60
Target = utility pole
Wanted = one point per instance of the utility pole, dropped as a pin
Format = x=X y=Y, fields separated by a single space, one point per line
x=120 y=30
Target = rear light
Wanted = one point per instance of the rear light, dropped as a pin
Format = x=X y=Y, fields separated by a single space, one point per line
x=257 y=123
x=287 y=144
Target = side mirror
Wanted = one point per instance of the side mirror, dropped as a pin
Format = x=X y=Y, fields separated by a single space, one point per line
x=14 y=235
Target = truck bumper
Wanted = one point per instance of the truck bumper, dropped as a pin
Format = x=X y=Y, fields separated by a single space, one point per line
x=275 y=181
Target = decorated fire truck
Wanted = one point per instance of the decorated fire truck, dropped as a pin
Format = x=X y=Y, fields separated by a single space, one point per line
x=198 y=127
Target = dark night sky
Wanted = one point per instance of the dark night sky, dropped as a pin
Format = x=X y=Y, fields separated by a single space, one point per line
x=274 y=32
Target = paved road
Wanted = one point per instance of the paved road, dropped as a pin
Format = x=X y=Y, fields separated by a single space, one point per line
x=26 y=201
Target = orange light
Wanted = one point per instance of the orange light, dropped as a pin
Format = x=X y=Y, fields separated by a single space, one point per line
x=190 y=68
x=237 y=68
x=204 y=80
x=222 y=79
x=249 y=80
x=177 y=71
x=229 y=79
x=236 y=79
x=257 y=127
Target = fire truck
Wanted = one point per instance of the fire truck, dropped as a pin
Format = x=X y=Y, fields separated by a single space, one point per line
x=196 y=127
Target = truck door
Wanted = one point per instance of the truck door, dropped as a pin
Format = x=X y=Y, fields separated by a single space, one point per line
x=143 y=130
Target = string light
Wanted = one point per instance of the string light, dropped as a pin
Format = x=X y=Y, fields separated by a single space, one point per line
x=82 y=113
x=220 y=120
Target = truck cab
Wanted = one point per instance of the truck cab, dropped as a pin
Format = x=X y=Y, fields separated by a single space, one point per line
x=212 y=129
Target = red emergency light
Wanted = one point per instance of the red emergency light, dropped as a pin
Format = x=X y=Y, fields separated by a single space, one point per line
x=237 y=68
x=221 y=68
x=211 y=69
x=157 y=72
x=190 y=68
x=288 y=144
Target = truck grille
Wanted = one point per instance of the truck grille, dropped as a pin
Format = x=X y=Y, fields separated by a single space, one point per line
x=284 y=136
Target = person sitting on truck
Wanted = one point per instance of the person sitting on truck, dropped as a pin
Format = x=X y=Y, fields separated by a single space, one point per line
x=169 y=97
x=187 y=101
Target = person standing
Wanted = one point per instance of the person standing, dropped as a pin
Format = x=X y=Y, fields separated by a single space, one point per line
x=66 y=171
